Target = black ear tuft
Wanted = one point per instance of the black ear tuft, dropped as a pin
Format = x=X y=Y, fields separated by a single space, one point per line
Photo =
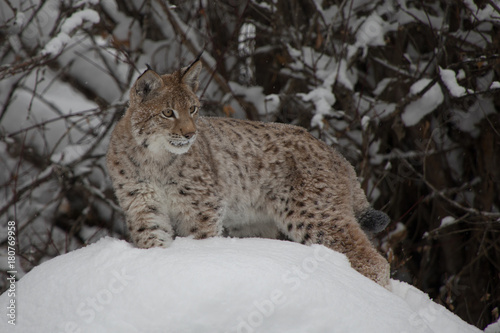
x=190 y=74
x=147 y=84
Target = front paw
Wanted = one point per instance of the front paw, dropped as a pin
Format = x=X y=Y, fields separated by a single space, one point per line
x=156 y=238
x=379 y=271
x=384 y=275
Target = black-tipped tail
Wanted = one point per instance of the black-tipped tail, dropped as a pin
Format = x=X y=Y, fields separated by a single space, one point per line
x=373 y=221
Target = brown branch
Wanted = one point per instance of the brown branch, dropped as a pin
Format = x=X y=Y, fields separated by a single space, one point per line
x=251 y=112
x=28 y=65
x=441 y=194
x=30 y=186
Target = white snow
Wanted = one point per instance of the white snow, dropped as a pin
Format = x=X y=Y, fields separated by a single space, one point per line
x=272 y=103
x=322 y=96
x=266 y=105
x=424 y=105
x=343 y=75
x=446 y=221
x=495 y=85
x=469 y=120
x=216 y=285
x=70 y=154
x=329 y=13
x=57 y=101
x=382 y=85
x=461 y=74
x=449 y=78
x=400 y=228
x=487 y=13
x=84 y=2
x=370 y=33
x=365 y=122
x=373 y=150
x=246 y=43
x=408 y=14
x=374 y=108
x=78 y=18
x=323 y=100
x=56 y=44
x=493 y=328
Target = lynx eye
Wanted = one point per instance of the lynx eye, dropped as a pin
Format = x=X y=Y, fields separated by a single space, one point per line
x=194 y=109
x=168 y=113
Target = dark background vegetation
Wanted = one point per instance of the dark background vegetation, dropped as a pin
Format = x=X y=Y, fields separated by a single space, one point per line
x=447 y=166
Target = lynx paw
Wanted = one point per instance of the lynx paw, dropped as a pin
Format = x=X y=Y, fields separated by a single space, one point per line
x=378 y=270
x=384 y=274
x=372 y=265
x=156 y=238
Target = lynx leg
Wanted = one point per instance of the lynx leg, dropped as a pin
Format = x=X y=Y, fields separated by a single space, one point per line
x=346 y=237
x=148 y=227
x=349 y=238
x=203 y=223
x=147 y=224
x=335 y=228
x=148 y=233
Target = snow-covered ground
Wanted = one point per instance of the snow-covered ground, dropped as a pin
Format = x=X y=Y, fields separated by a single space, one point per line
x=216 y=285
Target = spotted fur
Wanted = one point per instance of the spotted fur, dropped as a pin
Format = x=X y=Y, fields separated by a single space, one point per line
x=178 y=174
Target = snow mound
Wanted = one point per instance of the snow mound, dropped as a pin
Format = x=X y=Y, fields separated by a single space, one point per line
x=216 y=285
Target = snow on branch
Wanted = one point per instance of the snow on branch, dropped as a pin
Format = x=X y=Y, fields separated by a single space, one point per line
x=78 y=19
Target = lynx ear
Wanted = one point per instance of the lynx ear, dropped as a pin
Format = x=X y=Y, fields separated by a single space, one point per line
x=190 y=75
x=146 y=85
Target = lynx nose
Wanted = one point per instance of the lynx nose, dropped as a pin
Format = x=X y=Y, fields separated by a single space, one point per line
x=189 y=135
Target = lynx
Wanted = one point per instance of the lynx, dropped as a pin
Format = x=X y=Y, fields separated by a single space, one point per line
x=176 y=173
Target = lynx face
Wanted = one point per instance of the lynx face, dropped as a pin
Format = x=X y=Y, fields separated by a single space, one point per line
x=165 y=110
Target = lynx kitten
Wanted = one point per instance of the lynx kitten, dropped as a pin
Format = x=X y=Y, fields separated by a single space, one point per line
x=176 y=173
